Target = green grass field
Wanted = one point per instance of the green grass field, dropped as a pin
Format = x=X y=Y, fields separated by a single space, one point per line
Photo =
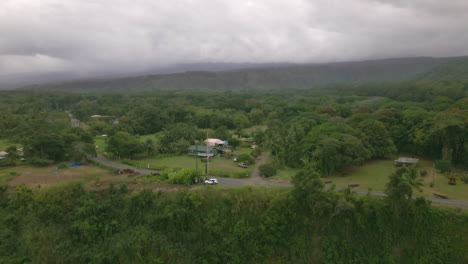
x=50 y=175
x=217 y=166
x=100 y=142
x=374 y=175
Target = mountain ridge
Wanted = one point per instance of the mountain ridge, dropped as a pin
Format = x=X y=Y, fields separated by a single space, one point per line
x=277 y=76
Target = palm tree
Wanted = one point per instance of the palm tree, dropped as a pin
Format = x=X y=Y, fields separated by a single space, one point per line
x=411 y=177
x=150 y=147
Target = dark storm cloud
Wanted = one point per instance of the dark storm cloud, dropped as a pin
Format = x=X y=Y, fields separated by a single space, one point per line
x=130 y=35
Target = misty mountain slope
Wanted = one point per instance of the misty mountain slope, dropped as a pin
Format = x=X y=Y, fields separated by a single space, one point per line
x=452 y=70
x=303 y=76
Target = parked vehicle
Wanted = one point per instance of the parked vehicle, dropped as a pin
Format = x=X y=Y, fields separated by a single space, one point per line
x=242 y=165
x=211 y=181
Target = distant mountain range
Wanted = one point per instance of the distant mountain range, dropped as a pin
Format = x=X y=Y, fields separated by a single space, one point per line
x=276 y=76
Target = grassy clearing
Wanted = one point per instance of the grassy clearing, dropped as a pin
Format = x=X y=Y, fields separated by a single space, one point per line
x=100 y=142
x=52 y=175
x=218 y=166
x=250 y=130
x=242 y=150
x=374 y=175
x=7 y=175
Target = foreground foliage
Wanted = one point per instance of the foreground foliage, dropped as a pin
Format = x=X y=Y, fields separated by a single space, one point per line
x=68 y=224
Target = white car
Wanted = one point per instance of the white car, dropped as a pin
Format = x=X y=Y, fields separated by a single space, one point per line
x=211 y=181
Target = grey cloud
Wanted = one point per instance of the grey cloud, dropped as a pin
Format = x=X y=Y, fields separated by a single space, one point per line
x=125 y=35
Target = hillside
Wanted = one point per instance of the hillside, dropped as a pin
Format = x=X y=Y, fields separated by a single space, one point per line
x=452 y=70
x=283 y=76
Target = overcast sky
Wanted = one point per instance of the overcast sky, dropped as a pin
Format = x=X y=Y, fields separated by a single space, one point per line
x=88 y=36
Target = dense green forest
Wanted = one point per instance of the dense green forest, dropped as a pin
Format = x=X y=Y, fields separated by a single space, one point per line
x=316 y=131
x=351 y=124
x=68 y=224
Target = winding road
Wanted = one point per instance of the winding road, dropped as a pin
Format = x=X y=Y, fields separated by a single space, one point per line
x=256 y=180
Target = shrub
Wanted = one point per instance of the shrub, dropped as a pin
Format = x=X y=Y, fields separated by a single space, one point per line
x=62 y=166
x=230 y=174
x=267 y=170
x=464 y=179
x=184 y=176
x=443 y=165
x=129 y=162
x=8 y=163
x=256 y=152
x=234 y=142
x=245 y=158
x=41 y=162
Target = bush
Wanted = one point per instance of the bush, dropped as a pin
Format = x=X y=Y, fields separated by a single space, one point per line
x=443 y=165
x=464 y=179
x=62 y=166
x=256 y=152
x=267 y=170
x=230 y=174
x=184 y=176
x=129 y=162
x=41 y=162
x=245 y=158
x=234 y=142
x=8 y=163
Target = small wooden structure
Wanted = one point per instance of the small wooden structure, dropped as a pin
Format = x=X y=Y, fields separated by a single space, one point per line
x=452 y=181
x=400 y=162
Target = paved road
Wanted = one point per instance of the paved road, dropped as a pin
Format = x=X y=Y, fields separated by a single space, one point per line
x=256 y=180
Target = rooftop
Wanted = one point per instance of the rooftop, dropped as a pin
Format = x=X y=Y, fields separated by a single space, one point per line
x=407 y=160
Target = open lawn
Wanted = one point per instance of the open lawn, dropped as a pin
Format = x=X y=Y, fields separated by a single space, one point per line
x=100 y=142
x=217 y=166
x=375 y=174
x=93 y=178
x=242 y=150
x=51 y=175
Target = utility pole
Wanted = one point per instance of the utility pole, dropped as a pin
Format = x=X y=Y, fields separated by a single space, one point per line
x=207 y=155
x=196 y=159
x=433 y=169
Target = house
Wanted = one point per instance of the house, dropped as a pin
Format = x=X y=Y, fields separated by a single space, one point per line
x=201 y=151
x=406 y=162
x=215 y=142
